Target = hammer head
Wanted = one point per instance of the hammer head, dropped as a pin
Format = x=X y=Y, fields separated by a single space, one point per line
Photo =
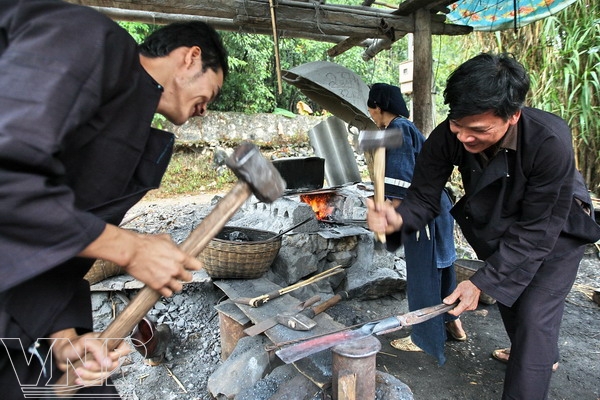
x=297 y=322
x=389 y=139
x=250 y=166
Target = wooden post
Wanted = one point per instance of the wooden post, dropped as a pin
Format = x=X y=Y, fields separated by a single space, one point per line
x=423 y=73
x=346 y=385
x=276 y=46
x=353 y=369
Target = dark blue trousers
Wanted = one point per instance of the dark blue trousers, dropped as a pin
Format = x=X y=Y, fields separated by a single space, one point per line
x=430 y=277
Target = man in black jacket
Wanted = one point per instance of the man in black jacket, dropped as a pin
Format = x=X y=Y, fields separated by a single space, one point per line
x=77 y=98
x=526 y=211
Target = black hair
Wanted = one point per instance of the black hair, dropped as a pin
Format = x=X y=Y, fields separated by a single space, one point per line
x=188 y=34
x=496 y=82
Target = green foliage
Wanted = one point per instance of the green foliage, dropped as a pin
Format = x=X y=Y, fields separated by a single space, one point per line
x=138 y=30
x=448 y=53
x=575 y=72
x=252 y=85
x=190 y=172
x=285 y=113
x=249 y=86
x=159 y=121
x=562 y=53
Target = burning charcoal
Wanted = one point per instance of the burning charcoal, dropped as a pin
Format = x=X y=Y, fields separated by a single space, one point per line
x=237 y=236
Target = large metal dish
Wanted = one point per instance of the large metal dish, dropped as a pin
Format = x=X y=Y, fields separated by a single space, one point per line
x=335 y=88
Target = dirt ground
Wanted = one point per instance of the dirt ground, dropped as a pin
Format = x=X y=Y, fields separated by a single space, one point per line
x=470 y=373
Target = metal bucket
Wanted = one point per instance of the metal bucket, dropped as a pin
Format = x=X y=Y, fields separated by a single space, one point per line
x=329 y=140
x=306 y=173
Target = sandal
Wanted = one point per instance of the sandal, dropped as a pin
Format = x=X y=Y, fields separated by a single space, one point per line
x=405 y=344
x=503 y=355
x=455 y=330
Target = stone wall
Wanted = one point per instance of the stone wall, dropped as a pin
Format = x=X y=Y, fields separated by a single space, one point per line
x=217 y=127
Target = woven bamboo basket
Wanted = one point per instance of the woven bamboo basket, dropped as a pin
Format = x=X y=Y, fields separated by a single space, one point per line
x=230 y=259
x=102 y=270
x=465 y=268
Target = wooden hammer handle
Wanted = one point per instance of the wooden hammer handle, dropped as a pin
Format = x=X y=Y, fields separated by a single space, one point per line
x=379 y=183
x=139 y=306
x=319 y=308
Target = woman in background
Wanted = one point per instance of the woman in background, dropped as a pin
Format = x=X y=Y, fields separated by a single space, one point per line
x=430 y=252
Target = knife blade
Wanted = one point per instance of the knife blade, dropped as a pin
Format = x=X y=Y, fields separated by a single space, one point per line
x=313 y=345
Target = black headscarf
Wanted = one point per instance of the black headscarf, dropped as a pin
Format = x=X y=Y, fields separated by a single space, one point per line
x=388 y=98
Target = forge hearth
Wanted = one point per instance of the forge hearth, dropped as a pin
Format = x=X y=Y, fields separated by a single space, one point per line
x=321 y=204
x=318 y=245
x=344 y=204
x=341 y=205
x=337 y=212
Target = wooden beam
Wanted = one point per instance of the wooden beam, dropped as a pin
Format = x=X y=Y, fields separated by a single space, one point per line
x=347 y=44
x=408 y=7
x=218 y=23
x=231 y=9
x=342 y=25
x=378 y=46
x=297 y=18
x=327 y=20
x=276 y=46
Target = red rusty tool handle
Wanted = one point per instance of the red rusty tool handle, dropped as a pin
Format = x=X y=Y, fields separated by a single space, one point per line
x=143 y=302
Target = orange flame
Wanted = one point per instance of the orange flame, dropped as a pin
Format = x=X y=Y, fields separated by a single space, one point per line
x=319 y=203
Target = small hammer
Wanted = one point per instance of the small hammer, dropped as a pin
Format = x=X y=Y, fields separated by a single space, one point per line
x=256 y=176
x=378 y=141
x=302 y=321
x=271 y=322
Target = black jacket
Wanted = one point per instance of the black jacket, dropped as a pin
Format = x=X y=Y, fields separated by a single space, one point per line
x=76 y=151
x=514 y=208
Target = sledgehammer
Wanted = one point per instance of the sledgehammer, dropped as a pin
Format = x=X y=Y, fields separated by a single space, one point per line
x=377 y=142
x=256 y=176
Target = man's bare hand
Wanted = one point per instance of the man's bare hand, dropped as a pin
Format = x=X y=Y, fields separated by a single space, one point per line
x=159 y=263
x=153 y=259
x=468 y=294
x=98 y=363
x=383 y=218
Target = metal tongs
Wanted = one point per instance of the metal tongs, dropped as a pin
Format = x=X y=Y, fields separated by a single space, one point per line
x=262 y=299
x=397 y=322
